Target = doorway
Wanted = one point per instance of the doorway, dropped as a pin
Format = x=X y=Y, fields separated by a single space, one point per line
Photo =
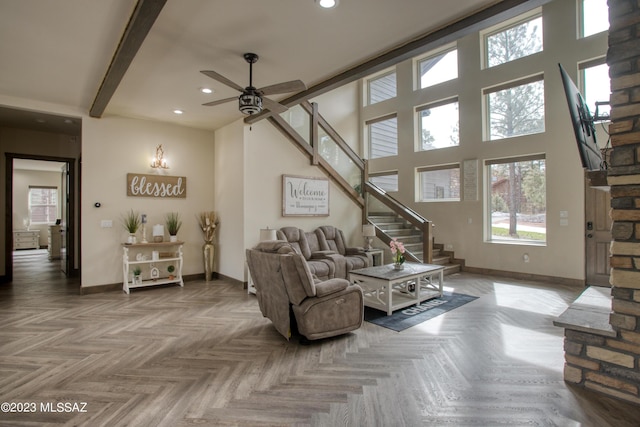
x=52 y=227
x=597 y=236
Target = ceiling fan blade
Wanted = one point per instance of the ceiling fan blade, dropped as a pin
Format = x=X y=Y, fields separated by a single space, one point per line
x=273 y=106
x=222 y=79
x=220 y=101
x=285 y=87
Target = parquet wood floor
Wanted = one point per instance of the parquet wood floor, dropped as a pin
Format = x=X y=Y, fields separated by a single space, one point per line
x=204 y=355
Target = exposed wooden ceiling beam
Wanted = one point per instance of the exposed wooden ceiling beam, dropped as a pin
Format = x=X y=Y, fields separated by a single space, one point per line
x=487 y=17
x=142 y=19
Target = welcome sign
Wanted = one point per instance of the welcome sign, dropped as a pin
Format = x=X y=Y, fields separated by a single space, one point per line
x=305 y=196
x=142 y=185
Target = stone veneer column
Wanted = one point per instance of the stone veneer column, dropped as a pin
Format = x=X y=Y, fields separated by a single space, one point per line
x=606 y=358
x=623 y=58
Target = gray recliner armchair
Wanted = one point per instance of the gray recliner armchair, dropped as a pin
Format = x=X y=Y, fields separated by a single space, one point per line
x=284 y=285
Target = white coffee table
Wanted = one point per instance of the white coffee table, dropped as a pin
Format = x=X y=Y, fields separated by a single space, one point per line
x=388 y=289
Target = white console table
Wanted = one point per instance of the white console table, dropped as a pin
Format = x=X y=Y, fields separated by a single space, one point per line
x=154 y=270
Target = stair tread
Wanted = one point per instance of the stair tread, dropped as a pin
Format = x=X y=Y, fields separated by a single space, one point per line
x=396 y=227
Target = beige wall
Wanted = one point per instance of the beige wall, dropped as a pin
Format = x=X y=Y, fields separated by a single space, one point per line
x=250 y=162
x=460 y=224
x=115 y=146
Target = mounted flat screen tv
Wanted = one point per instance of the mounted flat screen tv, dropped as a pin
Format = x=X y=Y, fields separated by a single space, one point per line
x=583 y=126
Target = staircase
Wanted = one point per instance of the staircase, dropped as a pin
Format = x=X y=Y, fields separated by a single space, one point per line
x=394 y=226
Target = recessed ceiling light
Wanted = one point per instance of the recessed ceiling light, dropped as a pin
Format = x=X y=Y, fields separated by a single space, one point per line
x=68 y=121
x=178 y=111
x=327 y=4
x=41 y=121
x=206 y=90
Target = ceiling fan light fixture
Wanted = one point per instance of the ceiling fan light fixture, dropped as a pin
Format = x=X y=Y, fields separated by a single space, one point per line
x=250 y=103
x=327 y=4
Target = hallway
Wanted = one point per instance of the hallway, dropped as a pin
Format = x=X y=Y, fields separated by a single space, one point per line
x=33 y=272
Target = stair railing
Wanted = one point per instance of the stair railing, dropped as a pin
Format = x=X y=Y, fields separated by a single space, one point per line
x=323 y=146
x=412 y=217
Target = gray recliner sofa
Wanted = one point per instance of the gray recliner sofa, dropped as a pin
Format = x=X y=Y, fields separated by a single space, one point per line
x=324 y=264
x=332 y=239
x=285 y=285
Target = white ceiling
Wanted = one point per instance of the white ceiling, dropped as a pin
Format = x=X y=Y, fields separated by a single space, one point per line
x=58 y=51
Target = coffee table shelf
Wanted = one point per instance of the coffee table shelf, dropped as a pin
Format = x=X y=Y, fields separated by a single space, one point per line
x=387 y=289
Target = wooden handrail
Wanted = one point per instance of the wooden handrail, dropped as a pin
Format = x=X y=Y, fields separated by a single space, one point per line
x=425 y=226
x=311 y=151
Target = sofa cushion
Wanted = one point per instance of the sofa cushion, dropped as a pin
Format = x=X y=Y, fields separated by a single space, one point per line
x=297 y=238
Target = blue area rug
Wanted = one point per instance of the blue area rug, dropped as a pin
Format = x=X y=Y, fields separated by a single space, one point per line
x=415 y=314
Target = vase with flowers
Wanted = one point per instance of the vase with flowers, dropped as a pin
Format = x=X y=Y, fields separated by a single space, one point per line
x=397 y=253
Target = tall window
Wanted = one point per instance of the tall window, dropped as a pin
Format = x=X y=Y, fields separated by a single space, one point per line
x=381 y=88
x=439 y=183
x=596 y=86
x=439 y=68
x=519 y=40
x=438 y=125
x=516 y=109
x=517 y=199
x=43 y=205
x=383 y=137
x=594 y=16
x=385 y=180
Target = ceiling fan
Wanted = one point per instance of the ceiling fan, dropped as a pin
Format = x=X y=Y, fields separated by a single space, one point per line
x=251 y=99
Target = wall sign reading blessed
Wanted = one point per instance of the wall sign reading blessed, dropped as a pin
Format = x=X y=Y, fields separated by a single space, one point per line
x=141 y=185
x=305 y=196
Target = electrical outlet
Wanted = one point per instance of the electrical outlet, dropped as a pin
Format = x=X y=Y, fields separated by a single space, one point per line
x=448 y=247
x=106 y=223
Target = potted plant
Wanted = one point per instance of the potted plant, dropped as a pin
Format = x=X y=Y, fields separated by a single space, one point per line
x=137 y=279
x=173 y=225
x=171 y=269
x=131 y=222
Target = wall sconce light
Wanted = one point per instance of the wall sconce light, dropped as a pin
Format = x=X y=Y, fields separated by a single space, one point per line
x=159 y=161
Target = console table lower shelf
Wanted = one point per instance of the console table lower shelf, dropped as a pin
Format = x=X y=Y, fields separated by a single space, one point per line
x=142 y=260
x=387 y=289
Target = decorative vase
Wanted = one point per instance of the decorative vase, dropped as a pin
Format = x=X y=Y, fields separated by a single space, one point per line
x=173 y=238
x=208 y=251
x=131 y=239
x=398 y=266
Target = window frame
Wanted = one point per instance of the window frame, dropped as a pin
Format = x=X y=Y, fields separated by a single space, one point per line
x=434 y=168
x=418 y=120
x=488 y=194
x=486 y=92
x=376 y=77
x=505 y=26
x=380 y=119
x=433 y=54
x=46 y=206
x=582 y=68
x=580 y=24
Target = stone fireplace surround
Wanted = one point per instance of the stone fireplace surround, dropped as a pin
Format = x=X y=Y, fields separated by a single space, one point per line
x=602 y=328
